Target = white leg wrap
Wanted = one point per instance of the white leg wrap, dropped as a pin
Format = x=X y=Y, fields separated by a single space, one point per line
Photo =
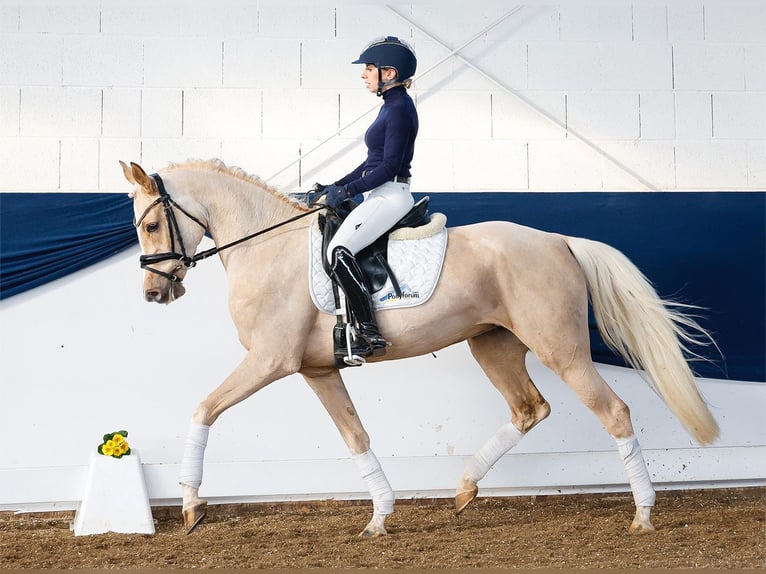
x=638 y=475
x=507 y=437
x=377 y=483
x=194 y=453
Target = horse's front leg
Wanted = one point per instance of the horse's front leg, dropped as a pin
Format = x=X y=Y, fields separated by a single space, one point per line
x=329 y=387
x=255 y=372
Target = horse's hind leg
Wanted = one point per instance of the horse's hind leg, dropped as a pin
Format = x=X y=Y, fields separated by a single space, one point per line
x=501 y=356
x=329 y=387
x=575 y=367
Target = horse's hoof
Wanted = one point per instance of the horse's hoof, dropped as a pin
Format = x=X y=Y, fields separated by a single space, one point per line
x=372 y=533
x=641 y=523
x=464 y=498
x=375 y=527
x=194 y=515
x=641 y=527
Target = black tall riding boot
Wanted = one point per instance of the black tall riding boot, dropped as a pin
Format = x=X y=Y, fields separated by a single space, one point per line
x=349 y=276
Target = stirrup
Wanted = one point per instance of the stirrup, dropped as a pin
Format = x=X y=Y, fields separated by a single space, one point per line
x=351 y=359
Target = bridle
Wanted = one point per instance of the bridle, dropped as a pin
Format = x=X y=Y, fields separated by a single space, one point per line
x=184 y=260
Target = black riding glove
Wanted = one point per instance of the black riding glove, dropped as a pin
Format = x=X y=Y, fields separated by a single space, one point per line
x=335 y=195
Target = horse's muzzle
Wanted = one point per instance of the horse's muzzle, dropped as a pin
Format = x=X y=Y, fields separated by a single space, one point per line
x=160 y=290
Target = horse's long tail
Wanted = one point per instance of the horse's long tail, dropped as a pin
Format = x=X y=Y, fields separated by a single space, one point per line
x=651 y=334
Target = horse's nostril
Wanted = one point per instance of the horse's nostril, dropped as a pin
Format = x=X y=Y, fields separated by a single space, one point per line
x=152 y=295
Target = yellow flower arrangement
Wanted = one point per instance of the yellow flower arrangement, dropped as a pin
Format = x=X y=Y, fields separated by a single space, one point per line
x=115 y=444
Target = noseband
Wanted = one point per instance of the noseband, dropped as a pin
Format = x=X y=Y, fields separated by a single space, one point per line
x=183 y=258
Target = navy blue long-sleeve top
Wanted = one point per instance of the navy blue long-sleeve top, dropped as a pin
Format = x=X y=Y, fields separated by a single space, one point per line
x=390 y=144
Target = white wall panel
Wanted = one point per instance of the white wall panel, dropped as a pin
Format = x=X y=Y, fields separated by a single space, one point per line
x=756 y=164
x=640 y=157
x=352 y=18
x=604 y=116
x=59 y=18
x=167 y=77
x=455 y=116
x=706 y=164
x=434 y=167
x=326 y=64
x=636 y=66
x=650 y=22
x=121 y=112
x=709 y=67
x=183 y=62
x=253 y=62
x=505 y=61
x=307 y=20
x=657 y=115
x=686 y=21
x=30 y=60
x=745 y=21
x=9 y=18
x=694 y=115
x=299 y=114
x=79 y=164
x=535 y=23
x=29 y=164
x=222 y=113
x=512 y=118
x=739 y=116
x=555 y=165
x=161 y=112
x=9 y=111
x=61 y=112
x=604 y=23
x=102 y=61
x=164 y=19
x=457 y=23
x=755 y=67
x=564 y=66
x=477 y=163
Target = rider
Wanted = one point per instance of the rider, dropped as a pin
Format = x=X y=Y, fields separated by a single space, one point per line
x=384 y=178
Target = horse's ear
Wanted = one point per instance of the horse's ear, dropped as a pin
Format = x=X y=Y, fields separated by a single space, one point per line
x=140 y=178
x=127 y=173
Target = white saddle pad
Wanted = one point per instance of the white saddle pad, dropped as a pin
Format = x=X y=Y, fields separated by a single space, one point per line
x=414 y=254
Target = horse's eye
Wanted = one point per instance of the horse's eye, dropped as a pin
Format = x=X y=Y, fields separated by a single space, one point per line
x=152 y=227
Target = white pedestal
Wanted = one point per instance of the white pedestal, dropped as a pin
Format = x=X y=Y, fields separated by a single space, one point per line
x=115 y=497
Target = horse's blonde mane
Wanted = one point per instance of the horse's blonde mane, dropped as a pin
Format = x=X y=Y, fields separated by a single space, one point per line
x=219 y=166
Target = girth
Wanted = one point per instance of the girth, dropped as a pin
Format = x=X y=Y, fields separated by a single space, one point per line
x=373 y=259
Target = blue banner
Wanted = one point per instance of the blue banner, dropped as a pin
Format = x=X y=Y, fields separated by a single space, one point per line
x=705 y=249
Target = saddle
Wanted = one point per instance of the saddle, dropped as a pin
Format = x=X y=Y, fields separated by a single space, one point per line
x=373 y=259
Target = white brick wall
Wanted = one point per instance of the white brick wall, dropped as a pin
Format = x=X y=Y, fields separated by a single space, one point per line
x=674 y=92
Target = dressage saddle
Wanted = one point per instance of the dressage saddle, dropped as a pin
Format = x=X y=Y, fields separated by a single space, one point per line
x=373 y=259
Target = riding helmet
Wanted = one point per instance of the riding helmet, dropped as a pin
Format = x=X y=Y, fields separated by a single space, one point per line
x=390 y=52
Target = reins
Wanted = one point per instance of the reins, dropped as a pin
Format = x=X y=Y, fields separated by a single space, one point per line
x=167 y=205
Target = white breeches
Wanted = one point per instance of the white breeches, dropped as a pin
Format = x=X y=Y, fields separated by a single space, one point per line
x=381 y=209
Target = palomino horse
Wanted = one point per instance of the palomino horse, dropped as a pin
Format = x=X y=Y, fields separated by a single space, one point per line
x=529 y=292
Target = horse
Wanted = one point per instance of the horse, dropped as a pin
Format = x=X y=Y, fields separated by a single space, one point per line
x=530 y=292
